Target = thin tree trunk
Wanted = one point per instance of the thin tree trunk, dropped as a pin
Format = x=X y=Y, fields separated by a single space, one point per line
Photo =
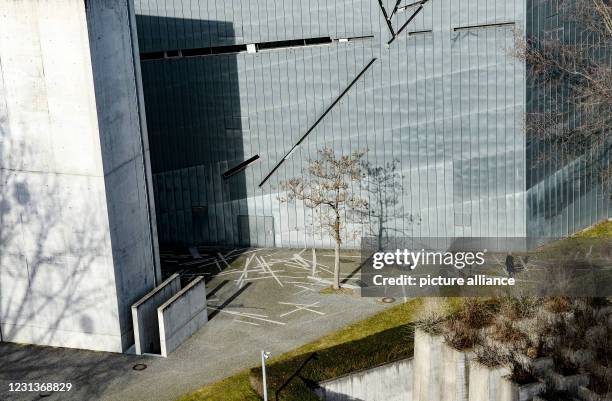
x=336 y=284
x=337 y=266
x=314 y=262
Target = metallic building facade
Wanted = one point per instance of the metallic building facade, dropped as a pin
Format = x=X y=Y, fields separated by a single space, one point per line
x=562 y=197
x=225 y=81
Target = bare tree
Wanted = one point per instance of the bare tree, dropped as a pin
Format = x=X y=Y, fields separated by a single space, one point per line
x=384 y=184
x=327 y=188
x=581 y=123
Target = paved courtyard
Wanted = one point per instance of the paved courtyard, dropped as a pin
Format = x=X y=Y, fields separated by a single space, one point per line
x=257 y=298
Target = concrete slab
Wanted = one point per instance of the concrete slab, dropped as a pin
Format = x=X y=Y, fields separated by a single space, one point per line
x=182 y=315
x=144 y=315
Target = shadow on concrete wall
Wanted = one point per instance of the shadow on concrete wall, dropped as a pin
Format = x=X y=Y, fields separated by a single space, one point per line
x=48 y=254
x=195 y=130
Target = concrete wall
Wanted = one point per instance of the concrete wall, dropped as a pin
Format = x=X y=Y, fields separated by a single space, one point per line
x=486 y=383
x=428 y=364
x=455 y=379
x=389 y=382
x=125 y=152
x=144 y=315
x=75 y=241
x=182 y=315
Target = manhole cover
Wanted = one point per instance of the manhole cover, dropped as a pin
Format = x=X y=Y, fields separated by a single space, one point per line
x=139 y=366
x=388 y=300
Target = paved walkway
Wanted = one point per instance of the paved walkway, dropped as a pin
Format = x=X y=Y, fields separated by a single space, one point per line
x=275 y=305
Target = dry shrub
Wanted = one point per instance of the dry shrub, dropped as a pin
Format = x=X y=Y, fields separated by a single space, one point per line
x=505 y=331
x=521 y=374
x=599 y=341
x=515 y=308
x=432 y=314
x=564 y=365
x=557 y=304
x=460 y=335
x=462 y=330
x=477 y=314
x=491 y=356
x=600 y=385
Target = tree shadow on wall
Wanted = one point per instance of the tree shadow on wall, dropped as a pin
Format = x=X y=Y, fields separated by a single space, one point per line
x=54 y=264
x=384 y=185
x=196 y=129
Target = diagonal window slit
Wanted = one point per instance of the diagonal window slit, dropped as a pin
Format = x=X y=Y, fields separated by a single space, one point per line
x=244 y=48
x=411 y=5
x=240 y=167
x=283 y=44
x=387 y=17
x=414 y=14
x=468 y=27
x=321 y=118
x=424 y=32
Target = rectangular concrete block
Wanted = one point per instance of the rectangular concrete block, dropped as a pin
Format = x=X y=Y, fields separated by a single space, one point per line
x=182 y=315
x=454 y=383
x=144 y=315
x=428 y=364
x=487 y=384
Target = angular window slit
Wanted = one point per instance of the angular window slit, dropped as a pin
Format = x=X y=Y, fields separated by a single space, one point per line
x=467 y=27
x=353 y=38
x=280 y=44
x=228 y=49
x=233 y=49
x=318 y=41
x=240 y=167
x=424 y=32
x=414 y=14
x=196 y=52
x=173 y=53
x=411 y=5
x=283 y=44
x=152 y=56
x=387 y=18
x=321 y=118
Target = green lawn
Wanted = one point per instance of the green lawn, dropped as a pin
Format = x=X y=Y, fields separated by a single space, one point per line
x=601 y=230
x=357 y=346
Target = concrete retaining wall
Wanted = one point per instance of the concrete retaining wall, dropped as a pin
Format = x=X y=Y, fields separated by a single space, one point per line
x=182 y=315
x=389 y=382
x=456 y=369
x=486 y=383
x=144 y=315
x=428 y=364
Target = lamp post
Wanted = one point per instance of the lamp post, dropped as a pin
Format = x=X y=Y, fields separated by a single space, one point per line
x=264 y=355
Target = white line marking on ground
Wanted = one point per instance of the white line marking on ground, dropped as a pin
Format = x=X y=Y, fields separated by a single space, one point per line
x=270 y=270
x=247 y=316
x=242 y=321
x=299 y=307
